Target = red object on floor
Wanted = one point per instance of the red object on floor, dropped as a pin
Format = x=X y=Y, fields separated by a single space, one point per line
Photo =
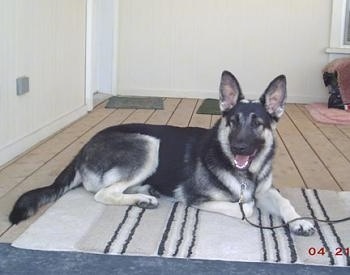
x=321 y=113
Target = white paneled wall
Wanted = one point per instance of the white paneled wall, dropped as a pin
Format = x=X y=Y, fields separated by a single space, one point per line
x=179 y=48
x=44 y=40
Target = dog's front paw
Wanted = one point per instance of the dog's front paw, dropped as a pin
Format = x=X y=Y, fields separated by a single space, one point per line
x=302 y=228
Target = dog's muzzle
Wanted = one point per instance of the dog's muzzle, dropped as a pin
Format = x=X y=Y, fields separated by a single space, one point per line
x=243 y=162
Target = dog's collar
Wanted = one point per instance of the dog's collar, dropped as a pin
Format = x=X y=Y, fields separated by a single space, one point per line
x=240 y=202
x=243 y=187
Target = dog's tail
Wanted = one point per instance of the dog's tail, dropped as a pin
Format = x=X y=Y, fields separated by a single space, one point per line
x=29 y=203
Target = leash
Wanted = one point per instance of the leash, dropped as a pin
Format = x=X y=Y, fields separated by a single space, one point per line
x=244 y=217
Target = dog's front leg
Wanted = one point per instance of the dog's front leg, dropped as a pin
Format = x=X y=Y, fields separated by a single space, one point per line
x=274 y=203
x=227 y=208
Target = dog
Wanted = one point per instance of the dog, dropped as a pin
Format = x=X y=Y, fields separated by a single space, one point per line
x=209 y=169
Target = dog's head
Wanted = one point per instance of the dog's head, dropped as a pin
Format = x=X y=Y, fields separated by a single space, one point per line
x=246 y=125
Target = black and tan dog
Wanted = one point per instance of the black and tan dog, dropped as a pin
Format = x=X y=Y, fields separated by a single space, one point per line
x=206 y=168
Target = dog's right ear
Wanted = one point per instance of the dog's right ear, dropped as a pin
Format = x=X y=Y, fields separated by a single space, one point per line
x=230 y=91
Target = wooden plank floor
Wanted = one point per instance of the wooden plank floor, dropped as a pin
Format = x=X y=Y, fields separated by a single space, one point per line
x=309 y=154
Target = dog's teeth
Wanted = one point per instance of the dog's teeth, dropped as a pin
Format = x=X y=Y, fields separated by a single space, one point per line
x=241 y=166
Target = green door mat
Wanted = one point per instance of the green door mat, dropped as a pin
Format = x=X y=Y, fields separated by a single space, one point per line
x=135 y=102
x=209 y=106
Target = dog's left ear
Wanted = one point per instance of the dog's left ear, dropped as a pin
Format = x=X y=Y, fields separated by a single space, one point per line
x=274 y=97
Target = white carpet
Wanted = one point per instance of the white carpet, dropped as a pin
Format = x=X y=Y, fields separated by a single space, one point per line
x=77 y=223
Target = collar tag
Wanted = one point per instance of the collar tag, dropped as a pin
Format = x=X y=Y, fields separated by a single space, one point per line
x=243 y=187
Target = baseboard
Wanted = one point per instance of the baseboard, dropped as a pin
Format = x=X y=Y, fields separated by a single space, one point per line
x=14 y=149
x=212 y=94
x=306 y=99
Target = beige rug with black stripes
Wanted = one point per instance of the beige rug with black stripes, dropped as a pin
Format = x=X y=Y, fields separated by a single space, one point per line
x=77 y=223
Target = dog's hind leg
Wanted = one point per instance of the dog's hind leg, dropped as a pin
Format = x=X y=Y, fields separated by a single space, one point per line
x=121 y=188
x=143 y=189
x=129 y=192
x=114 y=195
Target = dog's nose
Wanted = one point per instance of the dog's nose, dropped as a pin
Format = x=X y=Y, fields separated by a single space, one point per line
x=240 y=148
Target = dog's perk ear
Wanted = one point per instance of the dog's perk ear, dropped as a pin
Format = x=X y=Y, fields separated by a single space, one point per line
x=230 y=91
x=274 y=97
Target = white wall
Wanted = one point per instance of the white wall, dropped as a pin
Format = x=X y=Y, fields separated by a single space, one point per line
x=179 y=48
x=44 y=40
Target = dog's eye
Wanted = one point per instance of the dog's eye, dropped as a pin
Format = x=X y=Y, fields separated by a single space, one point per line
x=234 y=120
x=256 y=122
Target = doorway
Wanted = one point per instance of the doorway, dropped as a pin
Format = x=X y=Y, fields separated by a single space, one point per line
x=101 y=50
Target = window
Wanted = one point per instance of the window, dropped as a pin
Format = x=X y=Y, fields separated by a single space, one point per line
x=340 y=28
x=347 y=24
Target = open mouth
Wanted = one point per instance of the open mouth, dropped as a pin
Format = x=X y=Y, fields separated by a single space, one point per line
x=242 y=162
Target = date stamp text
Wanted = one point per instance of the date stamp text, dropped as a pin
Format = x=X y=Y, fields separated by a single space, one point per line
x=321 y=251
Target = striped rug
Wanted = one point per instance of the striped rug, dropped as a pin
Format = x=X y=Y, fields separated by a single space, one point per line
x=77 y=223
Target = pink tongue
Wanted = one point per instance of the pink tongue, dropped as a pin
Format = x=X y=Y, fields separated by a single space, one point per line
x=241 y=160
